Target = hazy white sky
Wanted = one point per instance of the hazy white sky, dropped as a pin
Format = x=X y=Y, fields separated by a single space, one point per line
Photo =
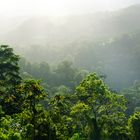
x=59 y=7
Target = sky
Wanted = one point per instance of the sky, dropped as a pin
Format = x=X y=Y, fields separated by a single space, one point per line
x=60 y=7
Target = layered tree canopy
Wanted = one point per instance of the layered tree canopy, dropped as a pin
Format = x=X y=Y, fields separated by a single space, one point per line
x=65 y=109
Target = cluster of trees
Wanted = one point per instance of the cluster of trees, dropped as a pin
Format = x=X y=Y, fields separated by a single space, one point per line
x=92 y=111
x=62 y=76
x=116 y=57
x=132 y=94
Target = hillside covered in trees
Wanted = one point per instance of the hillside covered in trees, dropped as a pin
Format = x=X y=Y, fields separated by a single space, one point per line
x=71 y=78
x=66 y=109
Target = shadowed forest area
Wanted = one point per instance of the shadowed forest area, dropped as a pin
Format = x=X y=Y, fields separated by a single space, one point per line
x=71 y=78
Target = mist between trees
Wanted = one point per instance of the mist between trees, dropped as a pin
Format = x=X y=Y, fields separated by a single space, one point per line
x=76 y=79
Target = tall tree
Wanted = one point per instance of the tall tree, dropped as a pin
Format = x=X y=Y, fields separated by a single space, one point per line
x=102 y=109
x=32 y=94
x=9 y=78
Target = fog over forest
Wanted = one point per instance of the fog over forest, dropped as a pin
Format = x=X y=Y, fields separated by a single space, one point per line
x=104 y=42
x=69 y=70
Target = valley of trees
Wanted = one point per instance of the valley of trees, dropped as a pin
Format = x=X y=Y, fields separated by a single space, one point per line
x=43 y=102
x=74 y=78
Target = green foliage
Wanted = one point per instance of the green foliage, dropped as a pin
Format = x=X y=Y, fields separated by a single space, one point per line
x=133 y=96
x=63 y=74
x=32 y=93
x=3 y=136
x=102 y=109
x=80 y=108
x=59 y=112
x=134 y=124
x=9 y=72
x=9 y=128
x=9 y=79
x=94 y=112
x=75 y=137
x=15 y=136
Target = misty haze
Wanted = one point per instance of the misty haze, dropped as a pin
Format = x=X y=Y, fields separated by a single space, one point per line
x=70 y=70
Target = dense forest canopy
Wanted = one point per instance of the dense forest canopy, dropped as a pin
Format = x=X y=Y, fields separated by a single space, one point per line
x=71 y=78
x=61 y=107
x=91 y=111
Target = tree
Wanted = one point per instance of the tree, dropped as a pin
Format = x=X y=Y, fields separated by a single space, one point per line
x=32 y=93
x=9 y=69
x=103 y=110
x=36 y=121
x=59 y=109
x=9 y=78
x=133 y=96
x=66 y=73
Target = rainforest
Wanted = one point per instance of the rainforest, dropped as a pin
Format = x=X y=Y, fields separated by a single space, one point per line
x=71 y=77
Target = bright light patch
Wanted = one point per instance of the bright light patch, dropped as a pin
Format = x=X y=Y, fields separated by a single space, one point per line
x=59 y=7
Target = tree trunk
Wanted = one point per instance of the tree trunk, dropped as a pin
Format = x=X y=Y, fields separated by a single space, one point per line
x=94 y=132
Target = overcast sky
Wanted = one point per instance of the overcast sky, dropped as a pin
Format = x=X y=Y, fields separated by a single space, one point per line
x=59 y=7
